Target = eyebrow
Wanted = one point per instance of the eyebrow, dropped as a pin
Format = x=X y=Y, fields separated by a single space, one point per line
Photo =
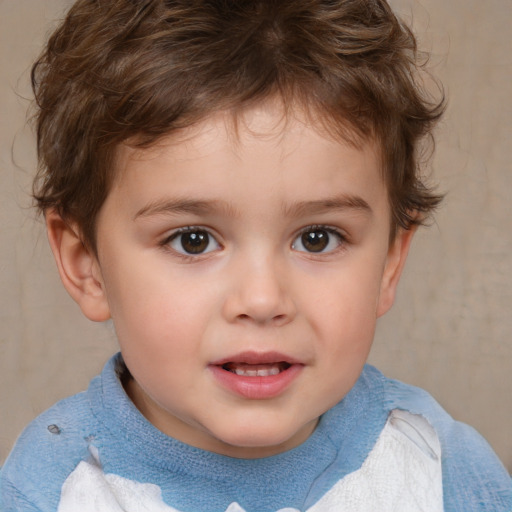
x=203 y=207
x=341 y=202
x=184 y=206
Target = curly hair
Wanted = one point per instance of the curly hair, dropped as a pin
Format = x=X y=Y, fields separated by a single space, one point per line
x=118 y=70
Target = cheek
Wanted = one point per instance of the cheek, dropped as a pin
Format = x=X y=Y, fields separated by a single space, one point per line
x=140 y=287
x=158 y=318
x=344 y=317
x=160 y=343
x=346 y=299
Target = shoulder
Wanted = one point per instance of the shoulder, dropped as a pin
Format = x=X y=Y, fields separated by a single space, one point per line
x=45 y=454
x=473 y=476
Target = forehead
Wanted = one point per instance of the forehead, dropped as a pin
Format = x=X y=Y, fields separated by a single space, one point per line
x=279 y=157
x=269 y=125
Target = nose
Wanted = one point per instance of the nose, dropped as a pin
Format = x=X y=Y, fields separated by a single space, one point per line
x=260 y=292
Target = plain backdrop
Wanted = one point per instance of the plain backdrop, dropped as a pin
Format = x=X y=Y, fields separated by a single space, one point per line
x=451 y=328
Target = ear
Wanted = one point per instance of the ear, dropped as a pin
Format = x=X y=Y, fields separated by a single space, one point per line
x=78 y=267
x=395 y=261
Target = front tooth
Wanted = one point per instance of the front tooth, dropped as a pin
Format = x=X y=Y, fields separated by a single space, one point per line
x=267 y=372
x=246 y=373
x=262 y=372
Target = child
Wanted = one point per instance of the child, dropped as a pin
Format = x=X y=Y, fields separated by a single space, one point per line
x=235 y=184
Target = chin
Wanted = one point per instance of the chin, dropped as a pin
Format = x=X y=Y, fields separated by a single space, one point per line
x=258 y=440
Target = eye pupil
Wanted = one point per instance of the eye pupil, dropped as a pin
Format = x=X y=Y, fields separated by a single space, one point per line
x=195 y=242
x=315 y=241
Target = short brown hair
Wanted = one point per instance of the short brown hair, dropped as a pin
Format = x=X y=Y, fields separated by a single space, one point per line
x=119 y=69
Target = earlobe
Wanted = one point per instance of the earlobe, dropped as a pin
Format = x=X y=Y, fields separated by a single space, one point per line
x=395 y=262
x=78 y=267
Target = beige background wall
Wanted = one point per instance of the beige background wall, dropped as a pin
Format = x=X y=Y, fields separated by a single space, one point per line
x=451 y=329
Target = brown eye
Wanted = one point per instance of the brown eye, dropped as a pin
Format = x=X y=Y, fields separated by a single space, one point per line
x=317 y=240
x=193 y=242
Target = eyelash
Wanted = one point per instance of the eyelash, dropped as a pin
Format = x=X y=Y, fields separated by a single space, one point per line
x=342 y=239
x=190 y=256
x=166 y=242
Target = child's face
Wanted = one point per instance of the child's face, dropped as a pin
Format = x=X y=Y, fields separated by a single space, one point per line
x=244 y=275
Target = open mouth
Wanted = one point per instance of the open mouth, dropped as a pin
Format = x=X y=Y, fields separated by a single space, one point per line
x=257 y=375
x=256 y=370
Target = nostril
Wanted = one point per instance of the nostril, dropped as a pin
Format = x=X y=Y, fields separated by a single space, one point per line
x=273 y=319
x=279 y=319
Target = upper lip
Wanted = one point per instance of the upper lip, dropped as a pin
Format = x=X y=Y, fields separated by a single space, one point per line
x=254 y=357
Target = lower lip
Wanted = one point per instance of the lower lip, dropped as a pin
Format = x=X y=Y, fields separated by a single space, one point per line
x=257 y=388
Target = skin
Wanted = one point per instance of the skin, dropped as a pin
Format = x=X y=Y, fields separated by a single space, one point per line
x=254 y=286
